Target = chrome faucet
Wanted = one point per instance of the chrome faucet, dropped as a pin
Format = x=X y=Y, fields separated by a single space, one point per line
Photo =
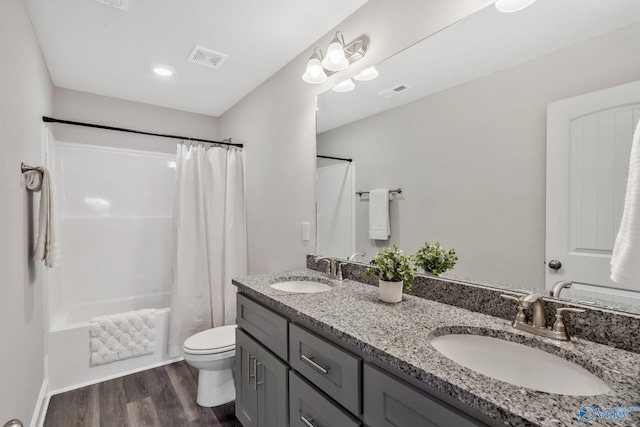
x=352 y=257
x=538 y=324
x=559 y=286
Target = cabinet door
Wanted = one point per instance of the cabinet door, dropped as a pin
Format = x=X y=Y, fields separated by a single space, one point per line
x=273 y=390
x=246 y=395
x=310 y=408
x=389 y=402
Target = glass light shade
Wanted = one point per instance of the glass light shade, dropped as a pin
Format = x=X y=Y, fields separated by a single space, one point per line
x=365 y=75
x=335 y=60
x=315 y=73
x=344 y=86
x=509 y=6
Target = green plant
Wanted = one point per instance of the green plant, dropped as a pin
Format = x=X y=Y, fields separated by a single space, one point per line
x=433 y=259
x=392 y=265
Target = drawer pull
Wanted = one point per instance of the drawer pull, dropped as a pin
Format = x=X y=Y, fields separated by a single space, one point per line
x=306 y=421
x=309 y=361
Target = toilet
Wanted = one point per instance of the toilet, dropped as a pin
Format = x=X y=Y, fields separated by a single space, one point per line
x=213 y=353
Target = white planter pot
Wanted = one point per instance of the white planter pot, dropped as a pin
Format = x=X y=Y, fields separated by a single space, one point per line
x=390 y=291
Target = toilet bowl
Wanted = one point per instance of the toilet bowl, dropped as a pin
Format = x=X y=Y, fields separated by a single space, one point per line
x=213 y=352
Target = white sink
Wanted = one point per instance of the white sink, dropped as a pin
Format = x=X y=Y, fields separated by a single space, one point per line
x=301 y=287
x=519 y=365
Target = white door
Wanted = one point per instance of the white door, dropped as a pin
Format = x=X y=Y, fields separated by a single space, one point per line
x=335 y=196
x=588 y=147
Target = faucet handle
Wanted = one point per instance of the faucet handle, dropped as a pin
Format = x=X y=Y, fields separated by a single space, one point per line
x=559 y=326
x=520 y=317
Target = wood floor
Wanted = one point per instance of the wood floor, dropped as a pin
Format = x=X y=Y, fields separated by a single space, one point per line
x=159 y=397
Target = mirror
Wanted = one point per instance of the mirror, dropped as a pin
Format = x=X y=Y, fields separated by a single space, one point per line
x=459 y=123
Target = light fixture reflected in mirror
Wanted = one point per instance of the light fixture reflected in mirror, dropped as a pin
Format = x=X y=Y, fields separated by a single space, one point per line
x=344 y=86
x=366 y=75
x=509 y=6
x=315 y=73
x=339 y=57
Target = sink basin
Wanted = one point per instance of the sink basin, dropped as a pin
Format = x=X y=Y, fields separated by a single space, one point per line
x=519 y=365
x=301 y=287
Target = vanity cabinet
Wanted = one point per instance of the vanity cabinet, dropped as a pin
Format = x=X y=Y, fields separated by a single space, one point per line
x=287 y=375
x=389 y=402
x=261 y=384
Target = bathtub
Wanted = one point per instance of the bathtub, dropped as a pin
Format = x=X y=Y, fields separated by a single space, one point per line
x=68 y=342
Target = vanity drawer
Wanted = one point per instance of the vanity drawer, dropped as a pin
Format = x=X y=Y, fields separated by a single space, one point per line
x=330 y=368
x=309 y=408
x=390 y=402
x=264 y=325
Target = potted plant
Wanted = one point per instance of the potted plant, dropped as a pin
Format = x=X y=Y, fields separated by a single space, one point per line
x=434 y=259
x=394 y=271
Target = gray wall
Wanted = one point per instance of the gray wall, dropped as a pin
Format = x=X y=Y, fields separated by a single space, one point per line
x=98 y=109
x=471 y=160
x=277 y=123
x=26 y=95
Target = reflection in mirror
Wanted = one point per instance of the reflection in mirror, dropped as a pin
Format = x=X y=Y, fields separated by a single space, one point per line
x=459 y=121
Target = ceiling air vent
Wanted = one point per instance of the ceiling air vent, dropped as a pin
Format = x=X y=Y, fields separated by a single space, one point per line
x=207 y=57
x=118 y=4
x=394 y=90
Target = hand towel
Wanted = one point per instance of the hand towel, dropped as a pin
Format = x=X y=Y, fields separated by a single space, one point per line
x=379 y=225
x=48 y=244
x=121 y=336
x=625 y=260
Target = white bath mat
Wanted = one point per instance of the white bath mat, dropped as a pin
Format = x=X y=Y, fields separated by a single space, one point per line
x=121 y=336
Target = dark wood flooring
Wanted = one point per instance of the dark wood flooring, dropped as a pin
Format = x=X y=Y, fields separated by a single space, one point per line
x=159 y=397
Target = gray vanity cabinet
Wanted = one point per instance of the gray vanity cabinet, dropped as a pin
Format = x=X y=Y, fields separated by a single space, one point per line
x=309 y=408
x=389 y=402
x=261 y=384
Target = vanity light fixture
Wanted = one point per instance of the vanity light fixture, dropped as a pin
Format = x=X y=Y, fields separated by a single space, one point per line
x=339 y=57
x=315 y=73
x=509 y=6
x=344 y=86
x=366 y=75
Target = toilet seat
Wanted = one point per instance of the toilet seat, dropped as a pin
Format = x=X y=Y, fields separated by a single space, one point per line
x=212 y=341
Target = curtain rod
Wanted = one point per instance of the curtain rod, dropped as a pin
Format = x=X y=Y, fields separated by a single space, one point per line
x=89 y=125
x=335 y=158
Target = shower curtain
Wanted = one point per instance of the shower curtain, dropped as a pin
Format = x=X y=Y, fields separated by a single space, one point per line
x=209 y=245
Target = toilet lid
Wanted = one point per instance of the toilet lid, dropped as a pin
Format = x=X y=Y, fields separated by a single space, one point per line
x=215 y=340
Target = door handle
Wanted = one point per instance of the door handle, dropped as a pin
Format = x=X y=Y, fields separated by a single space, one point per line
x=554 y=264
x=249 y=376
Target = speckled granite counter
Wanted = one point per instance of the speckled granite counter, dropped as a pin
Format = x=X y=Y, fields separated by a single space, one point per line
x=399 y=335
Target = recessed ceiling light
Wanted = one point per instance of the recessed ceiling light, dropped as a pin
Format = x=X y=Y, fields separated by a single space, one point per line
x=162 y=71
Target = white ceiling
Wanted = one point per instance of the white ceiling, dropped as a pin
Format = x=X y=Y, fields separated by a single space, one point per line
x=95 y=48
x=478 y=45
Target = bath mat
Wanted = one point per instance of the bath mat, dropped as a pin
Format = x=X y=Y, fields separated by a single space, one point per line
x=121 y=336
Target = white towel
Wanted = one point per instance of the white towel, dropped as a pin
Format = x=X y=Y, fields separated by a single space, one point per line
x=625 y=260
x=48 y=244
x=379 y=225
x=121 y=336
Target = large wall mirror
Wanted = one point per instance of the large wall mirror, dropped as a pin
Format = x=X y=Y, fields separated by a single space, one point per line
x=459 y=122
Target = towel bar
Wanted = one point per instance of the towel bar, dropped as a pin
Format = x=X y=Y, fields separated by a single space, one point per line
x=24 y=168
x=398 y=191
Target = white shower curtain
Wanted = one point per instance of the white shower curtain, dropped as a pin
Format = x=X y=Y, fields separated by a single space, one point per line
x=209 y=245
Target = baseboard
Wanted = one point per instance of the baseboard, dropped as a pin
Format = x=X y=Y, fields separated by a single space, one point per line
x=41 y=407
x=111 y=377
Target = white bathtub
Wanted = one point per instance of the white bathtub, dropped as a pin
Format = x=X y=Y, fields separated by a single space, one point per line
x=68 y=343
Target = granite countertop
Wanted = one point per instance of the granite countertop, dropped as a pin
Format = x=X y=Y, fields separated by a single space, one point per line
x=399 y=335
